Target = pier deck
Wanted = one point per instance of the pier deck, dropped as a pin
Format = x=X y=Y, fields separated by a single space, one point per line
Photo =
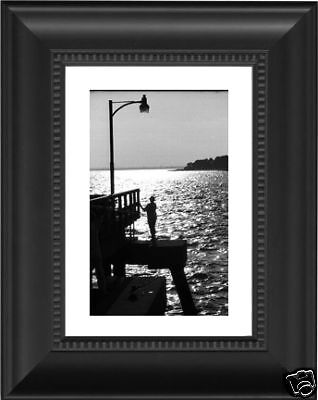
x=142 y=296
x=132 y=296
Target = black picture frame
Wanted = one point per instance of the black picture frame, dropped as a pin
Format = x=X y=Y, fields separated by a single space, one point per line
x=39 y=39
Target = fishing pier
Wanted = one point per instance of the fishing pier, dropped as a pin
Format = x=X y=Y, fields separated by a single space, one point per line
x=113 y=246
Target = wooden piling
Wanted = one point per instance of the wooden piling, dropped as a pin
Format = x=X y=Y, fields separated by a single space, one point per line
x=183 y=290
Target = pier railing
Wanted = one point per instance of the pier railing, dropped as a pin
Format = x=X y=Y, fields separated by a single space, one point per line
x=122 y=208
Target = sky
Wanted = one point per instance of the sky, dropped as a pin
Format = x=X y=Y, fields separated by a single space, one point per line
x=181 y=127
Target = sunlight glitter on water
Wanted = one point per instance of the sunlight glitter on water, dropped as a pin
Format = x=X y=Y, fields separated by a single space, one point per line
x=191 y=205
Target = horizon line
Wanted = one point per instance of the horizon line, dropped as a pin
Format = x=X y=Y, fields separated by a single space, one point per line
x=123 y=168
x=155 y=167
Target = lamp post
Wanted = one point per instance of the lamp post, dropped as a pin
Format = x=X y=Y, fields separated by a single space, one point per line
x=144 y=108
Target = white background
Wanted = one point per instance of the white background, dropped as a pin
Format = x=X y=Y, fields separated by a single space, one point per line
x=79 y=81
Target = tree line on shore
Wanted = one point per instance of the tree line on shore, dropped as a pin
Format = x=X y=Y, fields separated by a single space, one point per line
x=217 y=164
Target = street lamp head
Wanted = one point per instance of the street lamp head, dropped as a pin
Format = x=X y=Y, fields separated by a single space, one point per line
x=144 y=107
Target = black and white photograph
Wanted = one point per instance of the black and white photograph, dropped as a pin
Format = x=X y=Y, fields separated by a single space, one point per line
x=158 y=202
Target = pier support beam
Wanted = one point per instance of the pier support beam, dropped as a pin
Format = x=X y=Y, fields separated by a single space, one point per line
x=183 y=290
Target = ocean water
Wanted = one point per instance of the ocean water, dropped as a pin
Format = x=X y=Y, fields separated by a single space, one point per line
x=191 y=205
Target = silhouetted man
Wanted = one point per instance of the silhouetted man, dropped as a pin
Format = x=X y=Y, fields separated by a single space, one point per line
x=151 y=216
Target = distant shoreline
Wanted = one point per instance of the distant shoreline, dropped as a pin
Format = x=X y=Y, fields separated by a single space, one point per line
x=208 y=164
